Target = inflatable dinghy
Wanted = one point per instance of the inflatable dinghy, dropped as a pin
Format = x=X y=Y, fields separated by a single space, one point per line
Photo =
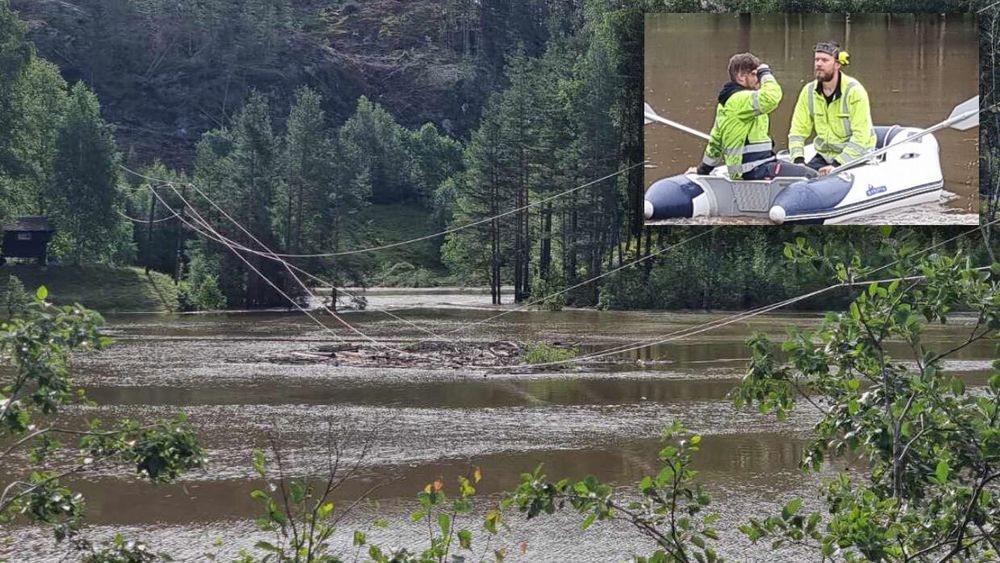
x=907 y=173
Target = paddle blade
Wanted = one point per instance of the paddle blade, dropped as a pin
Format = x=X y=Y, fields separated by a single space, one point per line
x=648 y=112
x=970 y=110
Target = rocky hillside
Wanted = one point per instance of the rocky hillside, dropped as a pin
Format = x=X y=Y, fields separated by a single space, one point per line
x=168 y=71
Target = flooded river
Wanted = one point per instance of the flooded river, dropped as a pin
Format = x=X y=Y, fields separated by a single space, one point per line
x=916 y=68
x=422 y=425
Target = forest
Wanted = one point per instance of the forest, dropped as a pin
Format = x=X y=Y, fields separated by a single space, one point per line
x=329 y=128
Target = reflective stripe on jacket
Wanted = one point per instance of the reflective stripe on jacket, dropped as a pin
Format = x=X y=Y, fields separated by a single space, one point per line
x=843 y=127
x=739 y=136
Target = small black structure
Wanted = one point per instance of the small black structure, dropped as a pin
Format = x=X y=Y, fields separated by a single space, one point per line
x=27 y=237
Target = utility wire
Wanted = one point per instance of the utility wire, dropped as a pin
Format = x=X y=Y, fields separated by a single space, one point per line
x=718 y=323
x=430 y=236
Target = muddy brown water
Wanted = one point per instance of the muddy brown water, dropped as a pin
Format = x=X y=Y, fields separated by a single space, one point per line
x=430 y=424
x=915 y=67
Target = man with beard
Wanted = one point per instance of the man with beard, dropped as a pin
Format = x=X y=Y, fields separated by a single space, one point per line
x=836 y=106
x=740 y=136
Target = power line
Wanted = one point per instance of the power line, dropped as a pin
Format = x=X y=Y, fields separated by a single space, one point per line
x=266 y=279
x=424 y=237
x=585 y=282
x=287 y=265
x=718 y=323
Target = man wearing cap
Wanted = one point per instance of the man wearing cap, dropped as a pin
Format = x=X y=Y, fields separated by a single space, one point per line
x=836 y=107
x=740 y=135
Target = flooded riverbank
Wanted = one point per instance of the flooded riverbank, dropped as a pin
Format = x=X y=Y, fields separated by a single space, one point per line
x=428 y=424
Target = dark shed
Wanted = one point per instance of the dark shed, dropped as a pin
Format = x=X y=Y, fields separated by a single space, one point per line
x=27 y=237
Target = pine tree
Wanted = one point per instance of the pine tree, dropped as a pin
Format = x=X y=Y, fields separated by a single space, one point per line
x=306 y=215
x=371 y=144
x=255 y=184
x=479 y=253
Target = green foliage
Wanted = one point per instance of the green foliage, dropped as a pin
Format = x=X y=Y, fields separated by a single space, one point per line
x=35 y=348
x=317 y=210
x=241 y=170
x=199 y=291
x=931 y=446
x=16 y=298
x=371 y=142
x=404 y=274
x=85 y=194
x=549 y=291
x=301 y=518
x=543 y=353
x=15 y=55
x=671 y=509
x=119 y=550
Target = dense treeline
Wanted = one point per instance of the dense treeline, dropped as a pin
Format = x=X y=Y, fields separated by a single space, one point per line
x=328 y=127
x=57 y=155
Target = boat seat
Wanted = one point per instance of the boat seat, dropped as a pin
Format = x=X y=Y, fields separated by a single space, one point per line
x=884 y=134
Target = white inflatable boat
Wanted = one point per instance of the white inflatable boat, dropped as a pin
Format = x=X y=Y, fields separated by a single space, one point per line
x=903 y=170
x=908 y=173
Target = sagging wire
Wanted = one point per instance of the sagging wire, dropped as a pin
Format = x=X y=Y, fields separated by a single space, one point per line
x=430 y=236
x=583 y=283
x=718 y=323
x=197 y=216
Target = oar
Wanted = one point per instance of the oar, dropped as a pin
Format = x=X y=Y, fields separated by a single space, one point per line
x=964 y=116
x=650 y=116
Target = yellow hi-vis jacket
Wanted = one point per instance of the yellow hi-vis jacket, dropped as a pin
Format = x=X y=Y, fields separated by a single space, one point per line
x=739 y=136
x=843 y=127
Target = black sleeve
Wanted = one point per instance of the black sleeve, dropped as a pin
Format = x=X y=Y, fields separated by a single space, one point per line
x=704 y=169
x=800 y=160
x=764 y=72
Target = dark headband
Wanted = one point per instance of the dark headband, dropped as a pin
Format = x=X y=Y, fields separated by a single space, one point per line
x=829 y=47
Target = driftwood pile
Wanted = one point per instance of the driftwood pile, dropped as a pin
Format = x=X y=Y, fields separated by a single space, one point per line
x=433 y=354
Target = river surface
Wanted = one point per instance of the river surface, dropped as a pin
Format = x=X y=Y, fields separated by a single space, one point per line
x=408 y=427
x=915 y=67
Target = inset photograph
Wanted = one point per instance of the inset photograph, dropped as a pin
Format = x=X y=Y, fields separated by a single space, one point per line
x=811 y=119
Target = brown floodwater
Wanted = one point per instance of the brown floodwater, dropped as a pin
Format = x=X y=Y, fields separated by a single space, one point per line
x=915 y=67
x=408 y=427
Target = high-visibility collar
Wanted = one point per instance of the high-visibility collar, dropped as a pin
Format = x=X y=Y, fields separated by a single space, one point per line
x=836 y=91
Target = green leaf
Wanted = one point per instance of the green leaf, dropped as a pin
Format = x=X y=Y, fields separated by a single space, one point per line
x=957 y=386
x=359 y=538
x=465 y=539
x=266 y=546
x=324 y=510
x=444 y=522
x=588 y=520
x=298 y=492
x=42 y=293
x=791 y=508
x=941 y=471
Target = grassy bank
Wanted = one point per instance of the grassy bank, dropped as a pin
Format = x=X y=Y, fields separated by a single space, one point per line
x=411 y=265
x=103 y=288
